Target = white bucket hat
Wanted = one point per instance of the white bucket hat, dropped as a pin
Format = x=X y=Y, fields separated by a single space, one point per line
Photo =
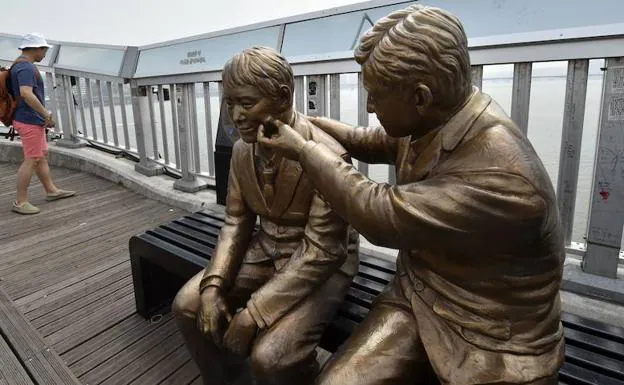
x=34 y=40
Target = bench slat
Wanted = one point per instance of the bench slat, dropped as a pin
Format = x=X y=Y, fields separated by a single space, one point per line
x=595 y=361
x=185 y=243
x=210 y=231
x=594 y=343
x=147 y=240
x=572 y=374
x=593 y=327
x=191 y=234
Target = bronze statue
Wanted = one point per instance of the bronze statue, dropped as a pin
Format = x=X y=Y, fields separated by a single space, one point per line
x=291 y=275
x=476 y=296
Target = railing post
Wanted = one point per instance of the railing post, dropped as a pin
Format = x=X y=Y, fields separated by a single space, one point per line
x=362 y=116
x=49 y=84
x=140 y=109
x=189 y=182
x=604 y=234
x=521 y=95
x=65 y=102
x=477 y=76
x=570 y=155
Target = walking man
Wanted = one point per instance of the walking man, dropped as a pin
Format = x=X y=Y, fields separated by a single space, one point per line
x=30 y=121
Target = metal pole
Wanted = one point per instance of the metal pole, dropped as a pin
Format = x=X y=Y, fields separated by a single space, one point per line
x=604 y=231
x=64 y=104
x=189 y=182
x=140 y=109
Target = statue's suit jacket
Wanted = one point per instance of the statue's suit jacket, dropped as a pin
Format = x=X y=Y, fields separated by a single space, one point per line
x=298 y=230
x=476 y=221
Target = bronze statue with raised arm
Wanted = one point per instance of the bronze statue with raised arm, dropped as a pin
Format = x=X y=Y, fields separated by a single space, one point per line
x=291 y=275
x=475 y=299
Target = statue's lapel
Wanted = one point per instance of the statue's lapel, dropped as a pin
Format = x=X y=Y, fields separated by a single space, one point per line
x=285 y=186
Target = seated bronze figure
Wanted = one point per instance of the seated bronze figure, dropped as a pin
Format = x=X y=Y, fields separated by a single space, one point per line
x=291 y=275
x=476 y=296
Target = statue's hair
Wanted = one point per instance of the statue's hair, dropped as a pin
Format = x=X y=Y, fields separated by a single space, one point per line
x=260 y=67
x=419 y=44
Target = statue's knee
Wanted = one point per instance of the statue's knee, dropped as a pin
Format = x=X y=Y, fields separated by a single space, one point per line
x=268 y=358
x=183 y=305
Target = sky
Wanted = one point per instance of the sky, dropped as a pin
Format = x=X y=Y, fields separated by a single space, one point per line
x=140 y=22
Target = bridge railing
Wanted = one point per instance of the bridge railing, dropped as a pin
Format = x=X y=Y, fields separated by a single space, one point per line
x=170 y=120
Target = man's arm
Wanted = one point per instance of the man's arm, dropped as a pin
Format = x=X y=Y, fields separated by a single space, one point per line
x=26 y=78
x=26 y=92
x=321 y=254
x=234 y=237
x=367 y=144
x=477 y=208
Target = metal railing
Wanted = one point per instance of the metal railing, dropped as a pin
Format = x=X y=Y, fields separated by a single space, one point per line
x=170 y=121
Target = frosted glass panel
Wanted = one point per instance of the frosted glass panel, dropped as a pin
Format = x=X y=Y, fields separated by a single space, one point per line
x=201 y=55
x=336 y=33
x=104 y=61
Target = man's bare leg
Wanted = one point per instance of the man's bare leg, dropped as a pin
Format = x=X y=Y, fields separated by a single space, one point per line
x=24 y=175
x=43 y=172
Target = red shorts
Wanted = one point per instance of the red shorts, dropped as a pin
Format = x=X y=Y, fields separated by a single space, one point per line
x=34 y=141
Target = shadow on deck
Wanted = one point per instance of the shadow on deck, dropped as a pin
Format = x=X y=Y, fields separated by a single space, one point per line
x=67 y=270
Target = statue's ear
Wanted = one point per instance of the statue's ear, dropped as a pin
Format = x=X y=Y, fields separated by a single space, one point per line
x=423 y=98
x=285 y=97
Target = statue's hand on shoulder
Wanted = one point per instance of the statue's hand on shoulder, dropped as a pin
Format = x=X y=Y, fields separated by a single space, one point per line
x=241 y=334
x=214 y=314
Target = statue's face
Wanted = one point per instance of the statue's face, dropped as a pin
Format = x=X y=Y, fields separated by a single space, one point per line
x=396 y=111
x=248 y=108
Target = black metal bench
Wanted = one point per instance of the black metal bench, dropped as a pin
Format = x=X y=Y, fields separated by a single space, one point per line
x=164 y=258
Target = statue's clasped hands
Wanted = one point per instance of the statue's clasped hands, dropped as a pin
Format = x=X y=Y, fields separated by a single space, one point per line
x=215 y=321
x=281 y=137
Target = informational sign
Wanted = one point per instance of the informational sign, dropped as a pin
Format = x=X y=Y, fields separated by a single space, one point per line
x=201 y=55
x=193 y=57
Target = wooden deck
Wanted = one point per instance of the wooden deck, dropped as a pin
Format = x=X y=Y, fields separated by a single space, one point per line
x=67 y=271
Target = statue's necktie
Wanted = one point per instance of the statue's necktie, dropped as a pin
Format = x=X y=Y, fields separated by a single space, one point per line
x=269 y=167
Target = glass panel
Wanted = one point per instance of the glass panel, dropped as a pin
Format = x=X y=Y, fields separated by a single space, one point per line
x=104 y=61
x=487 y=18
x=480 y=18
x=201 y=55
x=9 y=50
x=336 y=33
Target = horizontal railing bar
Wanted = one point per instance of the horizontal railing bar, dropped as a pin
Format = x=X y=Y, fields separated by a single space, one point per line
x=559 y=51
x=85 y=74
x=198 y=77
x=531 y=53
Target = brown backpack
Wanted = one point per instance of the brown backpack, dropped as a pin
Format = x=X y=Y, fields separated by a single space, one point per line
x=8 y=101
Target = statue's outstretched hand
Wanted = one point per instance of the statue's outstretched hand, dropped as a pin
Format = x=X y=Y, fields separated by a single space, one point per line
x=214 y=315
x=281 y=137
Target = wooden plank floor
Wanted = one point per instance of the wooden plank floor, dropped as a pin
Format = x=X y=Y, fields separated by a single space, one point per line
x=67 y=270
